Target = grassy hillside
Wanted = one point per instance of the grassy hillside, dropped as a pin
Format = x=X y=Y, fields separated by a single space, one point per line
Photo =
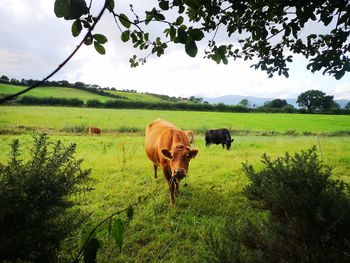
x=111 y=120
x=61 y=92
x=136 y=96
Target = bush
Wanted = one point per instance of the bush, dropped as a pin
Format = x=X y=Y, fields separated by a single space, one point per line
x=31 y=100
x=288 y=109
x=37 y=209
x=296 y=214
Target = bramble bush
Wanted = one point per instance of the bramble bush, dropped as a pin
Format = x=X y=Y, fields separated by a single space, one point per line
x=38 y=200
x=295 y=213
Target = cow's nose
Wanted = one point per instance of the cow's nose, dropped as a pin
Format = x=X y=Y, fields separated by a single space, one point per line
x=179 y=173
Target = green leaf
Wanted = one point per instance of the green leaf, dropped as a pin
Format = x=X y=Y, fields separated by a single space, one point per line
x=164 y=5
x=179 y=20
x=191 y=47
x=172 y=32
x=192 y=3
x=99 y=48
x=100 y=38
x=159 y=16
x=285 y=73
x=125 y=36
x=88 y=41
x=76 y=28
x=196 y=34
x=182 y=35
x=338 y=75
x=70 y=9
x=124 y=20
x=90 y=250
x=77 y=9
x=118 y=232
x=110 y=5
x=61 y=8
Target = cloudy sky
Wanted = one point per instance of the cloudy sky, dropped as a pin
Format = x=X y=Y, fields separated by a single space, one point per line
x=33 y=42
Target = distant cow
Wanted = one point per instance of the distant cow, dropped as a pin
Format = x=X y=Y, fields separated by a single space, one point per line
x=218 y=136
x=190 y=136
x=168 y=147
x=94 y=130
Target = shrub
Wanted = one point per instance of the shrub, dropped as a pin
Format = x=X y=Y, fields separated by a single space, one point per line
x=296 y=214
x=288 y=109
x=37 y=209
x=94 y=104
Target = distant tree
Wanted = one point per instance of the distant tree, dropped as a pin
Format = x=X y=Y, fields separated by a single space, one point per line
x=244 y=103
x=315 y=100
x=277 y=103
x=4 y=78
x=288 y=108
x=80 y=85
x=195 y=100
x=347 y=106
x=64 y=83
x=14 y=81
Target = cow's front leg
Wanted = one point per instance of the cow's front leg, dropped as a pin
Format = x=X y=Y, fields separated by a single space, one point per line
x=155 y=170
x=171 y=187
x=223 y=145
x=177 y=189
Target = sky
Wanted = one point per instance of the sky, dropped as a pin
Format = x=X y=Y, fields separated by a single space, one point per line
x=34 y=42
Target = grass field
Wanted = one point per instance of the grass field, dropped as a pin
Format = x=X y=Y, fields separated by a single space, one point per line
x=111 y=120
x=122 y=172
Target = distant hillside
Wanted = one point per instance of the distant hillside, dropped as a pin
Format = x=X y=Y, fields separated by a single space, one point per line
x=85 y=95
x=256 y=102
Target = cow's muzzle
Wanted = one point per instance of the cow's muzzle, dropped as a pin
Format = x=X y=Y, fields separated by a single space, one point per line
x=179 y=174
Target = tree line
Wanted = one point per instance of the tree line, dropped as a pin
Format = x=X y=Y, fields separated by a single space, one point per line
x=311 y=101
x=133 y=104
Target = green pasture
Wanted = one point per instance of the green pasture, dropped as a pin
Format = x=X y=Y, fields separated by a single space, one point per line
x=209 y=195
x=113 y=120
x=56 y=92
x=136 y=96
x=62 y=92
x=159 y=233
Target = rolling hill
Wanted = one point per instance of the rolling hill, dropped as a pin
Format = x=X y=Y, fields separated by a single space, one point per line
x=63 y=92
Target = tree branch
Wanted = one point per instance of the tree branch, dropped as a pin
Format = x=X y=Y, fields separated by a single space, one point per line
x=37 y=84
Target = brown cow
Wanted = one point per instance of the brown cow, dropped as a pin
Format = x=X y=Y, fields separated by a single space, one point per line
x=94 y=130
x=190 y=136
x=168 y=147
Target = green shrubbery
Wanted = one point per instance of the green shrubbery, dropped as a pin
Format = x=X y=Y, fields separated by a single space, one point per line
x=37 y=210
x=295 y=213
x=30 y=100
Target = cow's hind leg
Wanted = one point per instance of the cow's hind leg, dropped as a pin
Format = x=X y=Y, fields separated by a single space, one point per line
x=223 y=145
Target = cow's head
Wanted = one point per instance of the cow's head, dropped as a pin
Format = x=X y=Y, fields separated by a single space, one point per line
x=179 y=158
x=228 y=144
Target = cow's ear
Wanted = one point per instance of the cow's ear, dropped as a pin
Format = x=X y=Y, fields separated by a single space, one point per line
x=166 y=153
x=232 y=140
x=193 y=153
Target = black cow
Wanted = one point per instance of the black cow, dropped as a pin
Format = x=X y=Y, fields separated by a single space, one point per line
x=218 y=136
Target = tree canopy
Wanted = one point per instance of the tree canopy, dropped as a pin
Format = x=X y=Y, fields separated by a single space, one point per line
x=267 y=32
x=315 y=100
